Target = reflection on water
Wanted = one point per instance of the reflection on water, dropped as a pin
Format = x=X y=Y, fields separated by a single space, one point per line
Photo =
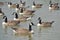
x=6 y=28
x=30 y=36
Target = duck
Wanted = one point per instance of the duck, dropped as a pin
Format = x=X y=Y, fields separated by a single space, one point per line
x=53 y=6
x=1 y=13
x=7 y=22
x=23 y=31
x=22 y=4
x=44 y=24
x=21 y=18
x=36 y=5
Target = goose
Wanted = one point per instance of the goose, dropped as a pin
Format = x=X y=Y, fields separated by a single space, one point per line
x=22 y=4
x=31 y=23
x=36 y=5
x=21 y=10
x=17 y=7
x=23 y=30
x=26 y=12
x=1 y=13
x=44 y=24
x=1 y=3
x=10 y=5
x=10 y=22
x=22 y=18
x=53 y=6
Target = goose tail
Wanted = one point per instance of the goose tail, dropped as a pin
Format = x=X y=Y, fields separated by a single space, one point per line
x=33 y=11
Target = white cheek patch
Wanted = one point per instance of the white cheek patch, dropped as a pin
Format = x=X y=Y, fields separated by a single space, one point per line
x=14 y=18
x=9 y=5
x=14 y=31
x=50 y=8
x=4 y=23
x=1 y=14
x=32 y=31
x=21 y=13
x=38 y=24
x=16 y=9
x=21 y=4
x=28 y=18
x=33 y=6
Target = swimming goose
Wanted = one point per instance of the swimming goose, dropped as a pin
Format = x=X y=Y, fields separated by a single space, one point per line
x=10 y=22
x=44 y=24
x=26 y=12
x=1 y=3
x=17 y=7
x=10 y=5
x=22 y=18
x=36 y=5
x=22 y=9
x=1 y=13
x=22 y=4
x=23 y=30
x=53 y=6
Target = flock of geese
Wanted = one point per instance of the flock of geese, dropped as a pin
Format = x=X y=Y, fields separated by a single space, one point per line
x=25 y=16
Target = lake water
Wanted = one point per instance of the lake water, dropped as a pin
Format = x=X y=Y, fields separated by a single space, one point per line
x=51 y=33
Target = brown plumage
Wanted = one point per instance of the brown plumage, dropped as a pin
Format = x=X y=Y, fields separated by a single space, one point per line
x=1 y=3
x=10 y=22
x=44 y=24
x=53 y=6
x=10 y=5
x=29 y=12
x=23 y=30
x=21 y=18
x=36 y=5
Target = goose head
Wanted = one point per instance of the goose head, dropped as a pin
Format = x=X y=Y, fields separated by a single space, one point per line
x=9 y=4
x=1 y=13
x=34 y=3
x=50 y=2
x=30 y=29
x=22 y=3
x=14 y=29
x=21 y=11
x=16 y=15
x=5 y=19
x=32 y=24
x=40 y=20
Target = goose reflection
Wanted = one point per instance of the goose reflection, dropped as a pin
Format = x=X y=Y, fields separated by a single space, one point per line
x=5 y=28
x=30 y=37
